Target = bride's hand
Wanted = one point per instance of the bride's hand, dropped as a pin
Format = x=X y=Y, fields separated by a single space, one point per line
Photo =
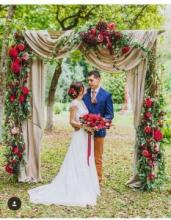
x=89 y=129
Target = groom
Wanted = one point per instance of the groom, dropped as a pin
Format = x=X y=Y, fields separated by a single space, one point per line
x=98 y=101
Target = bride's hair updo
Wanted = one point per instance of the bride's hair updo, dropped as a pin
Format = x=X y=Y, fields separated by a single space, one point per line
x=75 y=89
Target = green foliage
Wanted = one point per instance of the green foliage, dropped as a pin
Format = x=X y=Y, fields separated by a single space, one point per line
x=167 y=77
x=115 y=84
x=117 y=107
x=73 y=69
x=59 y=107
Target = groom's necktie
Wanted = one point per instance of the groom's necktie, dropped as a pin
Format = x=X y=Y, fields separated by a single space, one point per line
x=93 y=98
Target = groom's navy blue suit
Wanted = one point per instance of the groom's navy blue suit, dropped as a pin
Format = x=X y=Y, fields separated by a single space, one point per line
x=103 y=106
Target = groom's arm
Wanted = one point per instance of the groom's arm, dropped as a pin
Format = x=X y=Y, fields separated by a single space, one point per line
x=109 y=111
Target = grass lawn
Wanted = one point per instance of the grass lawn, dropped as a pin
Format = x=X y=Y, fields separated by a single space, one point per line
x=116 y=200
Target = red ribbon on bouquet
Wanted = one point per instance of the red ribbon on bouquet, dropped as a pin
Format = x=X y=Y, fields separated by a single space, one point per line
x=89 y=147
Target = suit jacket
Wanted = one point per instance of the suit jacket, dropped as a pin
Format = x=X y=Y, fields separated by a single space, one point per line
x=104 y=107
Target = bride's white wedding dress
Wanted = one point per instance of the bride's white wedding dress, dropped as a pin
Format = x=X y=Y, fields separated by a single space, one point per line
x=76 y=183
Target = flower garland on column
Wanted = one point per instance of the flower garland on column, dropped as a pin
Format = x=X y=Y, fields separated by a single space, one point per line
x=150 y=143
x=150 y=149
x=17 y=103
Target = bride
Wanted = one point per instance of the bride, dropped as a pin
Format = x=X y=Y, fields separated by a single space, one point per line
x=76 y=183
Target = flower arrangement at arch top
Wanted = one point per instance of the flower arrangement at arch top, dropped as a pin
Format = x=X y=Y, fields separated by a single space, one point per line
x=106 y=35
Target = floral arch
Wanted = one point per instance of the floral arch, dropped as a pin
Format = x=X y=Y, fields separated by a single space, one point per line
x=132 y=51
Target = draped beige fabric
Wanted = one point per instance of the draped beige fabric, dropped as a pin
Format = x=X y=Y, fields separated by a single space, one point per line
x=134 y=63
x=33 y=128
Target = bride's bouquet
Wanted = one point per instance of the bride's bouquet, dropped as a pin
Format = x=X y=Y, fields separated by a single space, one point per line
x=94 y=123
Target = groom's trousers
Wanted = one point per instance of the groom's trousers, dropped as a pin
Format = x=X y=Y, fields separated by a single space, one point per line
x=98 y=152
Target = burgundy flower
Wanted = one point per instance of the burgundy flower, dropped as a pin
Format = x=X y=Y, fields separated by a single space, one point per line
x=15 y=150
x=21 y=47
x=13 y=53
x=12 y=98
x=146 y=154
x=148 y=115
x=19 y=154
x=71 y=91
x=151 y=164
x=101 y=26
x=25 y=90
x=157 y=135
x=148 y=130
x=111 y=26
x=100 y=38
x=151 y=176
x=125 y=49
x=15 y=67
x=9 y=168
x=93 y=31
x=148 y=102
x=21 y=98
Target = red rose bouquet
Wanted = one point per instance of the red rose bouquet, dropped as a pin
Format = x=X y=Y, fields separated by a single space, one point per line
x=95 y=122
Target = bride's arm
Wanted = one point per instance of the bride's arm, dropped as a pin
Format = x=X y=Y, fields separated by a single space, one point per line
x=75 y=124
x=73 y=121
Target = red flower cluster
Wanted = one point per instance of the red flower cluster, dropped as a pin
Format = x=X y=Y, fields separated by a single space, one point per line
x=151 y=176
x=72 y=92
x=126 y=49
x=157 y=135
x=17 y=57
x=148 y=115
x=12 y=98
x=104 y=33
x=22 y=97
x=148 y=130
x=95 y=121
x=16 y=66
x=148 y=102
x=9 y=168
x=17 y=152
x=146 y=154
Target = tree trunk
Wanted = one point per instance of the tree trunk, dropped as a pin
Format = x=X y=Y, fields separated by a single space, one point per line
x=3 y=62
x=51 y=96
